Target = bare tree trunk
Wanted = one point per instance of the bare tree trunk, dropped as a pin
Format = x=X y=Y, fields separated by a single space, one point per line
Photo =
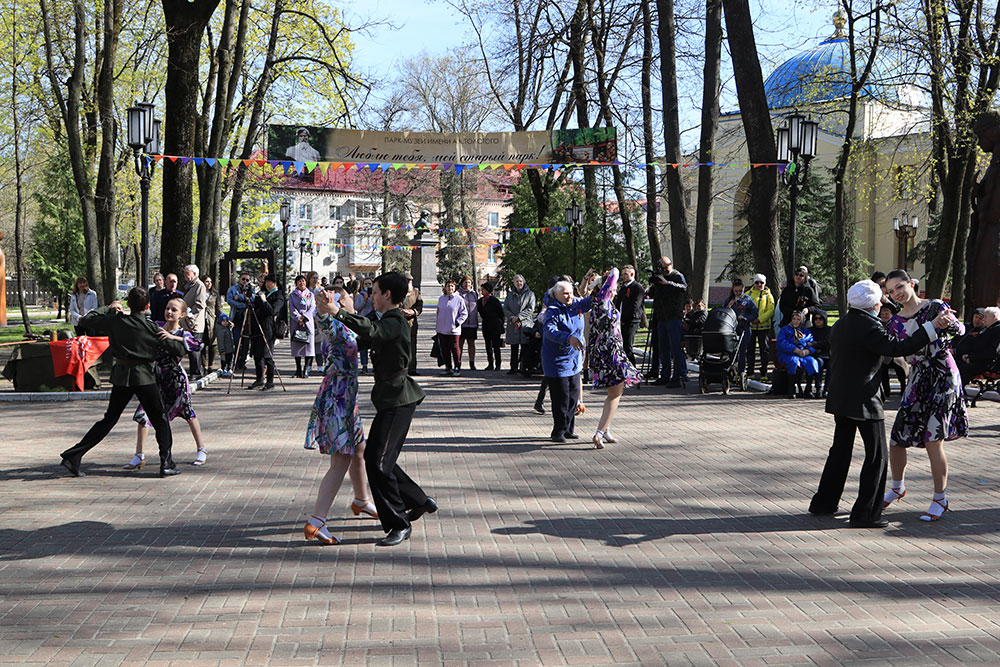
x=762 y=211
x=701 y=273
x=18 y=184
x=652 y=192
x=69 y=109
x=253 y=126
x=958 y=263
x=104 y=193
x=186 y=21
x=680 y=237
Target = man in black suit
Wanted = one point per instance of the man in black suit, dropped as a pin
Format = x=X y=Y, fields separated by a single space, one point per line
x=630 y=301
x=857 y=344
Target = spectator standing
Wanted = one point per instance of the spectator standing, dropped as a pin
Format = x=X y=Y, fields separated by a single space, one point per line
x=470 y=327
x=630 y=302
x=226 y=343
x=268 y=307
x=82 y=300
x=799 y=295
x=451 y=313
x=746 y=312
x=984 y=348
x=519 y=309
x=239 y=296
x=669 y=289
x=760 y=329
x=195 y=298
x=364 y=305
x=491 y=314
x=695 y=315
x=212 y=308
x=412 y=306
x=168 y=292
x=302 y=333
x=932 y=410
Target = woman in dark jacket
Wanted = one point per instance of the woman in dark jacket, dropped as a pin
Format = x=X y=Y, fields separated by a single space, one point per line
x=491 y=313
x=802 y=294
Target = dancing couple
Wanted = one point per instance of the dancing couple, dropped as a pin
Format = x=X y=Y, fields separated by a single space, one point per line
x=335 y=424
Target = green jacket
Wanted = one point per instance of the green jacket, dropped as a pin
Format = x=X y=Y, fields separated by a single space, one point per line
x=388 y=339
x=765 y=308
x=134 y=344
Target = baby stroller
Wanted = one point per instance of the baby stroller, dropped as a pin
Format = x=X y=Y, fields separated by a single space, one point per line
x=720 y=342
x=531 y=352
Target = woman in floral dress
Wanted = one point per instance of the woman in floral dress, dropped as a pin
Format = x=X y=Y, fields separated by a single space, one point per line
x=174 y=387
x=335 y=423
x=932 y=409
x=607 y=361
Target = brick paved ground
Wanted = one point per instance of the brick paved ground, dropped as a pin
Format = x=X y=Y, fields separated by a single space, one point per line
x=686 y=543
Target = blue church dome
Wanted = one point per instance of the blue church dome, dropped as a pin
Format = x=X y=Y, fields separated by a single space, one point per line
x=819 y=74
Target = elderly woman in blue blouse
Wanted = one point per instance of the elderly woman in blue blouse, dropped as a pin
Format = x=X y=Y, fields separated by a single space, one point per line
x=562 y=354
x=796 y=352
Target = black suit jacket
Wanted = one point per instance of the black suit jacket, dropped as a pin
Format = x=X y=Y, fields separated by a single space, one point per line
x=630 y=301
x=985 y=346
x=858 y=342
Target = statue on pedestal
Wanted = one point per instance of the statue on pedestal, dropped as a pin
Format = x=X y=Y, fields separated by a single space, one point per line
x=422 y=227
x=982 y=278
x=423 y=261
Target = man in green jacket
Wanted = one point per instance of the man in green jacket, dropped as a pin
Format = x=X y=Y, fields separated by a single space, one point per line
x=135 y=341
x=400 y=501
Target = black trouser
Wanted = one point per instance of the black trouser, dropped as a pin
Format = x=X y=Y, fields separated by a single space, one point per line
x=760 y=338
x=244 y=344
x=541 y=392
x=262 y=358
x=194 y=364
x=629 y=330
x=151 y=401
x=393 y=491
x=492 y=345
x=868 y=506
x=565 y=395
x=209 y=349
x=901 y=376
x=413 y=348
x=514 y=355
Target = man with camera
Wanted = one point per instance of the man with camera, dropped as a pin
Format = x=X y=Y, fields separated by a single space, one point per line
x=669 y=290
x=268 y=308
x=239 y=296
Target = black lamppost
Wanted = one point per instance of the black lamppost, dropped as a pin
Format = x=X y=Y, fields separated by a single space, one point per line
x=796 y=147
x=305 y=246
x=573 y=222
x=143 y=136
x=905 y=228
x=284 y=214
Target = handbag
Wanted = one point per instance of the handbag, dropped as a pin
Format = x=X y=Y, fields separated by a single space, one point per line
x=280 y=329
x=435 y=348
x=300 y=336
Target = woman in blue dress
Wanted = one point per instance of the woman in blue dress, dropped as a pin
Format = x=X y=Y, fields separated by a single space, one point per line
x=335 y=423
x=796 y=351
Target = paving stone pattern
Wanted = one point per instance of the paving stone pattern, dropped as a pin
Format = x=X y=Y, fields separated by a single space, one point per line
x=685 y=543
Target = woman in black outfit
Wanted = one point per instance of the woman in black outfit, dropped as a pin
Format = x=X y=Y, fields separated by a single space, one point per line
x=491 y=313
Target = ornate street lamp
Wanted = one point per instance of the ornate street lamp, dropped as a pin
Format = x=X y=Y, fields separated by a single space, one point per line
x=573 y=222
x=796 y=146
x=143 y=136
x=284 y=215
x=905 y=229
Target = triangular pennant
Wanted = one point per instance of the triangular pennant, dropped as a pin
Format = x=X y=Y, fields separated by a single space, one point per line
x=348 y=165
x=185 y=160
x=508 y=167
x=198 y=161
x=448 y=165
x=459 y=168
x=483 y=166
x=398 y=165
x=300 y=167
x=210 y=161
x=172 y=158
x=372 y=166
x=157 y=157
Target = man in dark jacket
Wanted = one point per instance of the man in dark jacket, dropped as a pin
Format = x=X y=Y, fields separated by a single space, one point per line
x=801 y=295
x=135 y=341
x=395 y=395
x=669 y=290
x=268 y=308
x=983 y=348
x=630 y=301
x=858 y=343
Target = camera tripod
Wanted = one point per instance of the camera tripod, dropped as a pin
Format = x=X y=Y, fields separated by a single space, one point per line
x=245 y=335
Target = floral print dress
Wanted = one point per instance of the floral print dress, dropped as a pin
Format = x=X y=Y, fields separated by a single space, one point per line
x=172 y=382
x=335 y=422
x=607 y=362
x=933 y=405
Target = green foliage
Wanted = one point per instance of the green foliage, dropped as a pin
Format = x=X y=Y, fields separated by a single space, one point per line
x=540 y=256
x=814 y=237
x=57 y=251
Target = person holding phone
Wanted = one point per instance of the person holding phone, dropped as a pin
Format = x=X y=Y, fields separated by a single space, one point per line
x=364 y=306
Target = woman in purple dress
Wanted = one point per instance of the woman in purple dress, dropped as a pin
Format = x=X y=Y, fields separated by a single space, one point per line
x=174 y=388
x=932 y=409
x=302 y=308
x=608 y=364
x=335 y=422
